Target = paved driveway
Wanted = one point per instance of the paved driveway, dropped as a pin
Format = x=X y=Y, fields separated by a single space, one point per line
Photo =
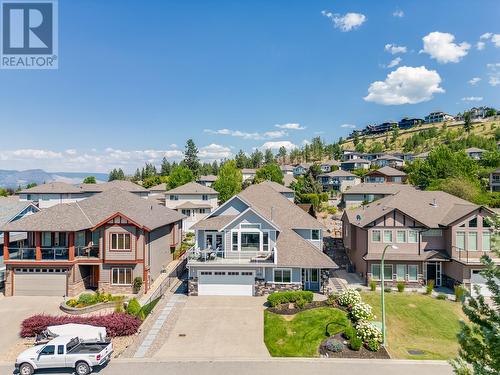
x=14 y=310
x=213 y=327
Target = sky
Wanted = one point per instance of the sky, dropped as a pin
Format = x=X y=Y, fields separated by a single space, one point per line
x=136 y=79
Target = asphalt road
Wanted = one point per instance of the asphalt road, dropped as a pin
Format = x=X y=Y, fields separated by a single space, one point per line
x=271 y=367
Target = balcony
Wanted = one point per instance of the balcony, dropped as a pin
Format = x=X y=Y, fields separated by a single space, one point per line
x=474 y=256
x=55 y=253
x=87 y=252
x=26 y=253
x=210 y=256
x=47 y=254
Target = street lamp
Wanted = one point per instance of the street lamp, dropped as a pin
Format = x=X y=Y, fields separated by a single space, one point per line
x=382 y=289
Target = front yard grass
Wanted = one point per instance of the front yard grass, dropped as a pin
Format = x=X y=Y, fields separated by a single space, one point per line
x=299 y=335
x=419 y=322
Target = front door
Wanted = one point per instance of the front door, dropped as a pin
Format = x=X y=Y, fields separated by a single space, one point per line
x=434 y=272
x=310 y=279
x=95 y=276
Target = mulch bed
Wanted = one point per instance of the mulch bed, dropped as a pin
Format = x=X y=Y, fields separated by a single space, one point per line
x=363 y=353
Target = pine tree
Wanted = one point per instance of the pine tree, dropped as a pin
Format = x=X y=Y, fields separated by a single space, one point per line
x=191 y=159
x=282 y=154
x=467 y=122
x=268 y=156
x=241 y=159
x=165 y=167
x=256 y=159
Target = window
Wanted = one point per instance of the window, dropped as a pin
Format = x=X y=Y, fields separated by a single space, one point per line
x=186 y=212
x=48 y=350
x=486 y=223
x=250 y=226
x=314 y=275
x=204 y=197
x=375 y=236
x=412 y=236
x=472 y=241
x=401 y=236
x=387 y=272
x=400 y=272
x=121 y=276
x=486 y=241
x=218 y=273
x=282 y=276
x=46 y=239
x=120 y=241
x=433 y=233
x=206 y=273
x=315 y=235
x=203 y=210
x=174 y=197
x=460 y=240
x=232 y=273
x=412 y=272
x=473 y=223
x=265 y=241
x=387 y=236
x=60 y=349
x=250 y=241
x=235 y=241
x=246 y=273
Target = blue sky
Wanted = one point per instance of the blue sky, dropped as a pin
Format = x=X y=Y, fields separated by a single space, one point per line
x=137 y=78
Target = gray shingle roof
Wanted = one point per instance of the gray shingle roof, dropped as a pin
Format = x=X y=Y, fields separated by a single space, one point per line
x=374 y=188
x=277 y=187
x=124 y=185
x=338 y=173
x=208 y=178
x=214 y=222
x=388 y=157
x=364 y=161
x=10 y=207
x=388 y=171
x=192 y=205
x=92 y=211
x=52 y=187
x=64 y=188
x=192 y=188
x=161 y=187
x=288 y=179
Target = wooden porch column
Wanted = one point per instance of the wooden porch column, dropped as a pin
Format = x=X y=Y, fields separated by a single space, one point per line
x=71 y=240
x=6 y=241
x=38 y=245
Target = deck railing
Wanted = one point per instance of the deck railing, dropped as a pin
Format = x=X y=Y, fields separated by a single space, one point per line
x=22 y=253
x=196 y=255
x=87 y=251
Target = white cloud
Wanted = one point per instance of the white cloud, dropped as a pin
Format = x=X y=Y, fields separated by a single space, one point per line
x=493 y=74
x=494 y=38
x=405 y=85
x=346 y=22
x=474 y=81
x=29 y=154
x=440 y=46
x=486 y=36
x=275 y=145
x=306 y=142
x=71 y=151
x=245 y=135
x=290 y=126
x=398 y=13
x=394 y=62
x=472 y=99
x=480 y=46
x=214 y=152
x=349 y=126
x=394 y=48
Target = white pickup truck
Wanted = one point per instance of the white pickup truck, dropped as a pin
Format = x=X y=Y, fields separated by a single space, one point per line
x=65 y=352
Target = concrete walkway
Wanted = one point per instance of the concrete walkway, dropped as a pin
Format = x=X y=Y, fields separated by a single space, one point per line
x=159 y=280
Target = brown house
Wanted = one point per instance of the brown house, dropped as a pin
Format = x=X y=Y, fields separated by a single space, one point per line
x=439 y=237
x=386 y=175
x=103 y=242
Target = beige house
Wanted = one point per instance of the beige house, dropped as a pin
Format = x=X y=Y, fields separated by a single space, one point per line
x=386 y=175
x=366 y=192
x=438 y=236
x=103 y=242
x=338 y=180
x=248 y=173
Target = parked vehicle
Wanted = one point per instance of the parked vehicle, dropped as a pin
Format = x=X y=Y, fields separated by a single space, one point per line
x=65 y=352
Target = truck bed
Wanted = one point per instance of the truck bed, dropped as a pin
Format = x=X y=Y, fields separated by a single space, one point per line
x=89 y=348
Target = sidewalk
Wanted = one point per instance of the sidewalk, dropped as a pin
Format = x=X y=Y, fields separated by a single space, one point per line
x=159 y=280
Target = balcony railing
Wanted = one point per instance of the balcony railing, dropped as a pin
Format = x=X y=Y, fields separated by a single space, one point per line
x=200 y=256
x=472 y=256
x=87 y=252
x=25 y=253
x=55 y=253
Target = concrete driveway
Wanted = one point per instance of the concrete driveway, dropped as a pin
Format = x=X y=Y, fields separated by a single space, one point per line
x=212 y=327
x=14 y=310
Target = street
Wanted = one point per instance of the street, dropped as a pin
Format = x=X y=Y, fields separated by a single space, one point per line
x=284 y=366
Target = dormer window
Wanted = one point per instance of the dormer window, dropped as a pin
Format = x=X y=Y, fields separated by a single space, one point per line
x=315 y=234
x=473 y=223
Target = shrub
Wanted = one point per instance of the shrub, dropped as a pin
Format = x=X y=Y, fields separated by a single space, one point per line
x=278 y=298
x=300 y=303
x=332 y=299
x=361 y=311
x=373 y=285
x=137 y=284
x=133 y=307
x=349 y=297
x=373 y=345
x=367 y=331
x=72 y=302
x=442 y=296
x=334 y=345
x=332 y=210
x=401 y=287
x=459 y=293
x=355 y=343
x=147 y=308
x=119 y=308
x=429 y=287
x=387 y=290
x=87 y=299
x=115 y=324
x=349 y=333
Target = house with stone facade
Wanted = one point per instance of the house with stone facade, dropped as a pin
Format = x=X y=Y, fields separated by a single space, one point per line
x=257 y=242
x=438 y=237
x=103 y=242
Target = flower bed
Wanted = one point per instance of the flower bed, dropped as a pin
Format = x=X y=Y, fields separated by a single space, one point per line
x=347 y=352
x=90 y=299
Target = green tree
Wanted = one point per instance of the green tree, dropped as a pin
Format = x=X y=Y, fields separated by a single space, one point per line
x=191 y=156
x=268 y=156
x=282 y=154
x=479 y=337
x=180 y=175
x=229 y=181
x=241 y=159
x=165 y=167
x=271 y=172
x=31 y=185
x=256 y=159
x=154 y=180
x=376 y=147
x=295 y=156
x=116 y=174
x=3 y=192
x=89 y=180
x=467 y=122
x=148 y=171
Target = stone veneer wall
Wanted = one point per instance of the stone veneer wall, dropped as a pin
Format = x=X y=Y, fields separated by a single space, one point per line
x=263 y=288
x=193 y=287
x=8 y=283
x=106 y=287
x=75 y=289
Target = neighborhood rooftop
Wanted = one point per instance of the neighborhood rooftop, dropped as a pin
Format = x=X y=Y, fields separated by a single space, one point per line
x=192 y=188
x=388 y=171
x=10 y=207
x=65 y=188
x=376 y=188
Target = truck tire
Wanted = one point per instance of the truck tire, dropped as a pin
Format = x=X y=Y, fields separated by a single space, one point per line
x=26 y=369
x=82 y=368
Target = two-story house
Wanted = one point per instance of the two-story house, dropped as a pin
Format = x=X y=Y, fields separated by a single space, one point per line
x=326 y=166
x=353 y=164
x=257 y=242
x=103 y=242
x=366 y=192
x=207 y=180
x=388 y=161
x=193 y=200
x=301 y=169
x=495 y=180
x=338 y=180
x=385 y=175
x=438 y=237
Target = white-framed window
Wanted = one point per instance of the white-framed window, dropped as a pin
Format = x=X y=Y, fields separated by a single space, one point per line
x=203 y=210
x=400 y=272
x=120 y=241
x=412 y=272
x=401 y=236
x=46 y=239
x=121 y=276
x=433 y=233
x=206 y=273
x=233 y=273
x=387 y=236
x=282 y=275
x=246 y=273
x=204 y=197
x=486 y=241
x=315 y=234
x=250 y=226
x=174 y=197
x=460 y=240
x=235 y=242
x=376 y=271
x=412 y=236
x=265 y=241
x=219 y=273
x=472 y=241
x=376 y=237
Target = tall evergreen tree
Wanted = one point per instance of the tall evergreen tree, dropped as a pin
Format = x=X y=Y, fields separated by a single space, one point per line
x=191 y=156
x=467 y=122
x=256 y=158
x=241 y=159
x=165 y=167
x=282 y=154
x=268 y=156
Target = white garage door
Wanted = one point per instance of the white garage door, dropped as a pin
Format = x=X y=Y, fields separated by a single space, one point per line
x=40 y=284
x=225 y=283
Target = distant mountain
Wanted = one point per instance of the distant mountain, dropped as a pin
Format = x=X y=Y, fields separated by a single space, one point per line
x=13 y=179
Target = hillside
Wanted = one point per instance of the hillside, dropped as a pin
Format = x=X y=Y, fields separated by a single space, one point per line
x=445 y=132
x=12 y=178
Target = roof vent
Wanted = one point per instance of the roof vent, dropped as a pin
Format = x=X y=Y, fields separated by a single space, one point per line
x=358 y=217
x=434 y=202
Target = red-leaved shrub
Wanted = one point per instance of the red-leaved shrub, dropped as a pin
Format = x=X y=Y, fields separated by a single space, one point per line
x=116 y=324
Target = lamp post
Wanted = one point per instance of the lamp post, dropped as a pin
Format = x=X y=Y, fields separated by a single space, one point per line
x=382 y=290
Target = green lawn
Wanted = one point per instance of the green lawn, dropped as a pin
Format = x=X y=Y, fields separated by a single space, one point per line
x=416 y=321
x=299 y=335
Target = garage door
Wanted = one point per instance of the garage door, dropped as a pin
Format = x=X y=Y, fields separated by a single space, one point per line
x=40 y=284
x=225 y=283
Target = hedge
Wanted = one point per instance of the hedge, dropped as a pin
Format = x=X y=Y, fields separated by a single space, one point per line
x=116 y=324
x=278 y=298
